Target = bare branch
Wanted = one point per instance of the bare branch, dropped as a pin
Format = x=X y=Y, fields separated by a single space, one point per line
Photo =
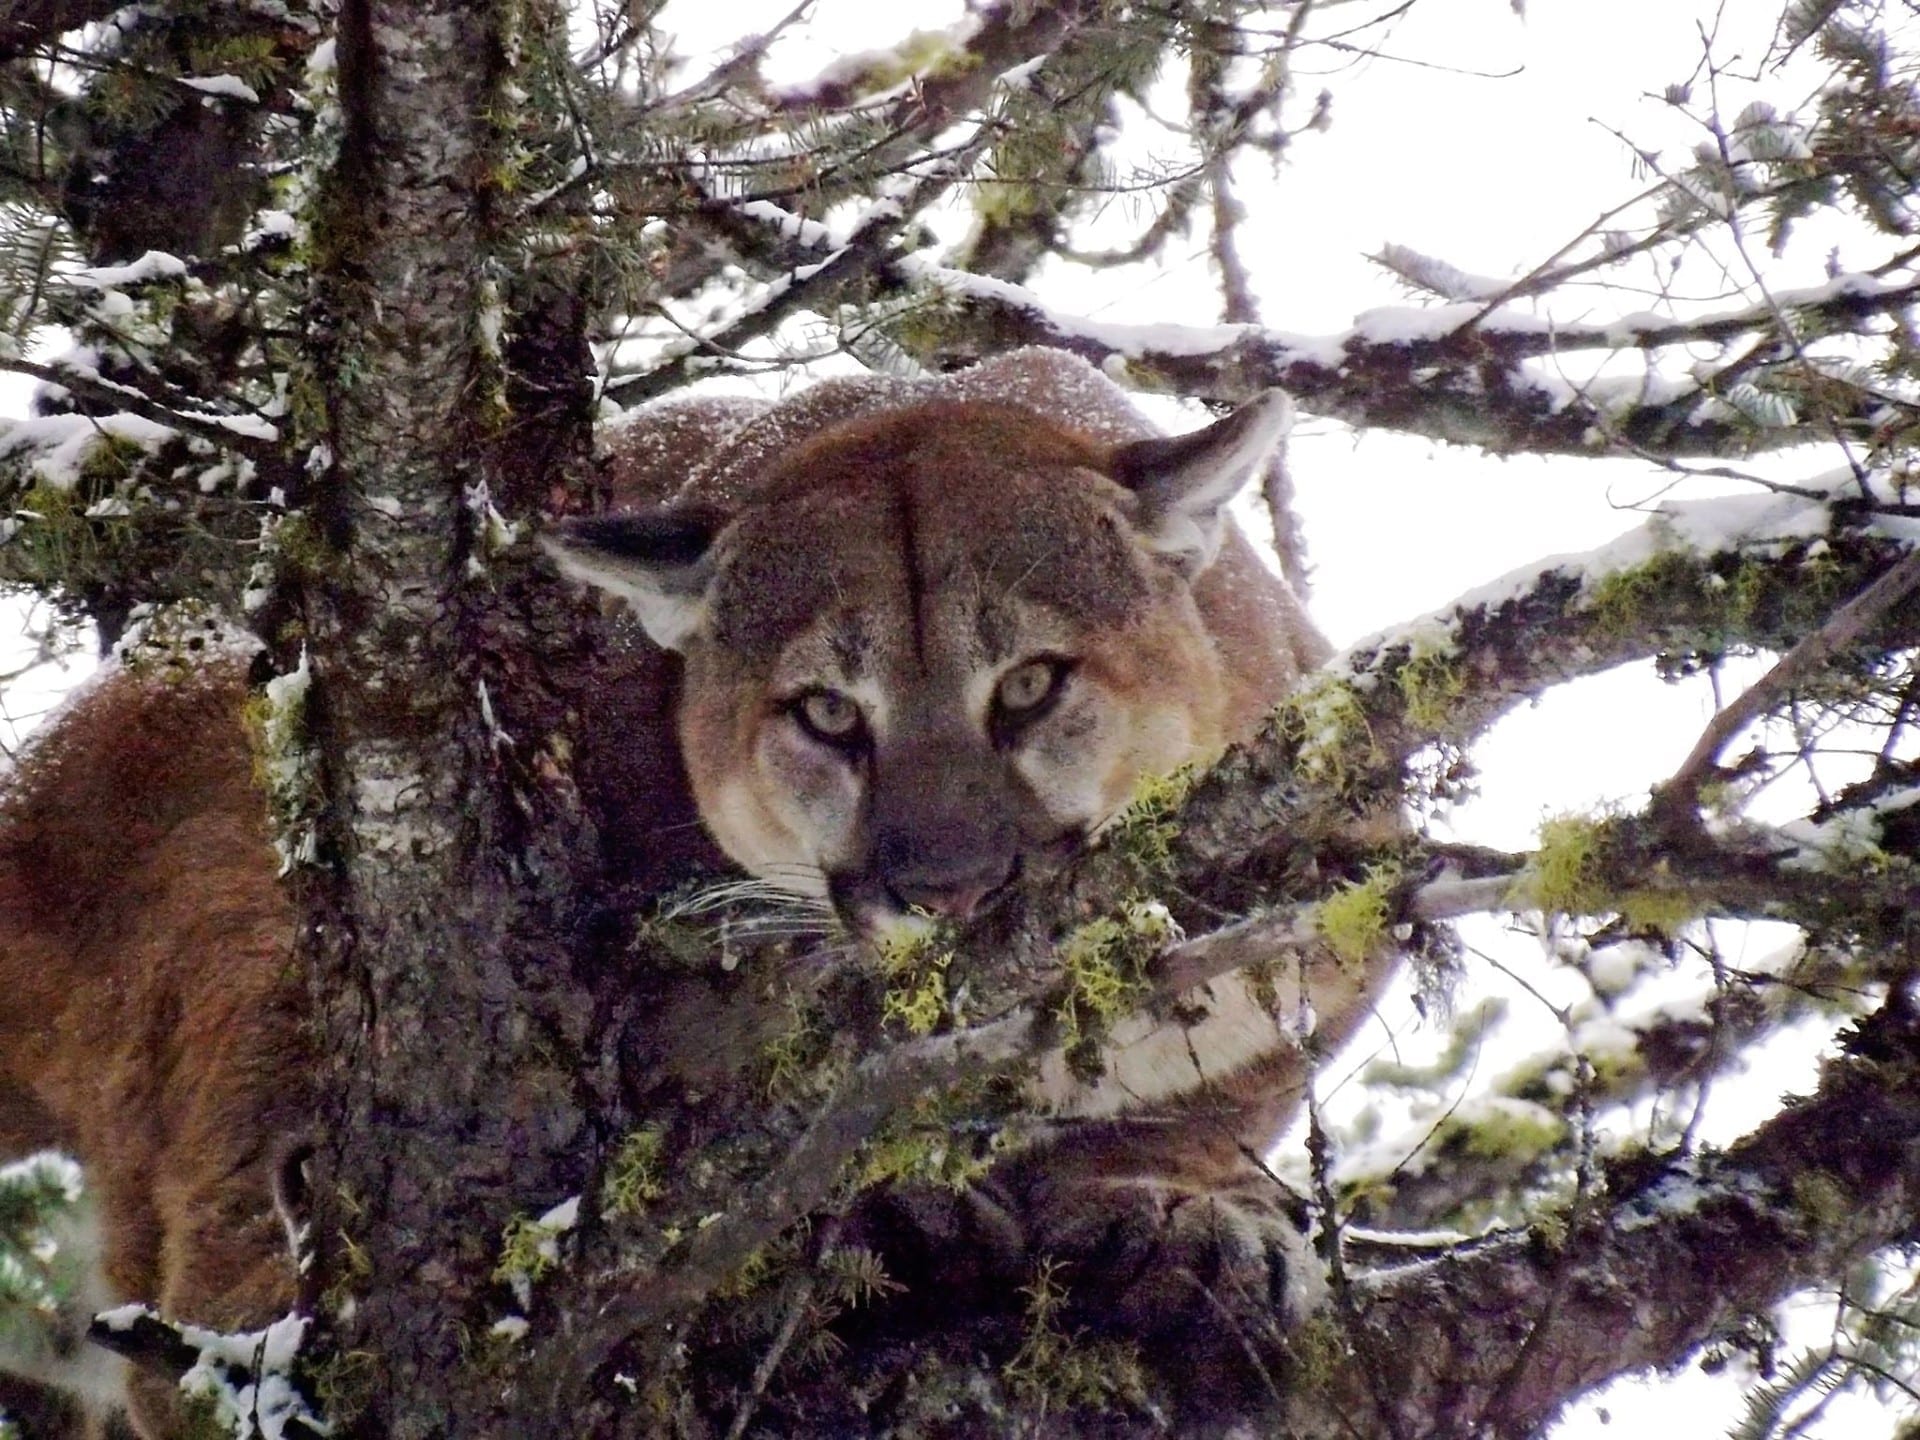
x=1850 y=623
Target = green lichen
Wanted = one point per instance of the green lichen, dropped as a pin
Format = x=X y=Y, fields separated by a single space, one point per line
x=1101 y=987
x=921 y=56
x=1622 y=602
x=635 y=1175
x=1566 y=876
x=1514 y=1130
x=343 y=1384
x=1317 y=1350
x=1353 y=920
x=1326 y=722
x=1551 y=1229
x=1145 y=829
x=949 y=1137
x=55 y=539
x=686 y=942
x=1057 y=1370
x=299 y=546
x=284 y=763
x=920 y=1003
x=110 y=459
x=1716 y=602
x=352 y=1268
x=306 y=405
x=200 y=1418
x=797 y=1058
x=1614 y=1069
x=1564 y=873
x=1820 y=1200
x=762 y=1264
x=939 y=1141
x=1430 y=685
x=529 y=1250
x=904 y=946
x=520 y=1250
x=914 y=960
x=1104 y=963
x=1657 y=909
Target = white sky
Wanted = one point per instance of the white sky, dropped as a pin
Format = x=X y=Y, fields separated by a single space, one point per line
x=1492 y=175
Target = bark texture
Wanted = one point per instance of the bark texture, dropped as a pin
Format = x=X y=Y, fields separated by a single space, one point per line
x=454 y=1036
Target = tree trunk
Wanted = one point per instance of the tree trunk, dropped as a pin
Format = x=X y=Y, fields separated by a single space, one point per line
x=456 y=1062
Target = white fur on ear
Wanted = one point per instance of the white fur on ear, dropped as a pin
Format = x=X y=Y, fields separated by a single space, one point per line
x=658 y=562
x=1185 y=481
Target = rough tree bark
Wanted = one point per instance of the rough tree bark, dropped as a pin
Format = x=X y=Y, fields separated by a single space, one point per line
x=448 y=889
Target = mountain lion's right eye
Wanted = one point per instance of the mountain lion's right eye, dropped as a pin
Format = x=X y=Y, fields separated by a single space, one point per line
x=830 y=716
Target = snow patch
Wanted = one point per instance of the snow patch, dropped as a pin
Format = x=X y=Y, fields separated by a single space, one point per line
x=154 y=265
x=224 y=87
x=249 y=427
x=65 y=442
x=1703 y=527
x=1846 y=839
x=247 y=1375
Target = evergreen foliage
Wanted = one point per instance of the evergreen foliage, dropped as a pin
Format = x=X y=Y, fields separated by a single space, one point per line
x=35 y=1193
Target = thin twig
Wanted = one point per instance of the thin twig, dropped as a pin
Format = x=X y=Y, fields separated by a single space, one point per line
x=1846 y=626
x=137 y=402
x=797 y=1306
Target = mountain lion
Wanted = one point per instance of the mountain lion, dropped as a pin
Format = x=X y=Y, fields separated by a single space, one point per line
x=933 y=633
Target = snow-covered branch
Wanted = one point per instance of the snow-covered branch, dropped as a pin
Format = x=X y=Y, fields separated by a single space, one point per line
x=247 y=434
x=1458 y=373
x=34 y=22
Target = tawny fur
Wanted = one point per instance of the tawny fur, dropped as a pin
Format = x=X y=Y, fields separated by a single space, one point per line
x=998 y=460
x=151 y=1022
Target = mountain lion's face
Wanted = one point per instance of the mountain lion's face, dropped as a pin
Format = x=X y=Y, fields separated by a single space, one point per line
x=936 y=644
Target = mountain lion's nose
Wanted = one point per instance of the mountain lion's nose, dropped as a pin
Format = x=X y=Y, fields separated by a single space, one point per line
x=956 y=902
x=953 y=889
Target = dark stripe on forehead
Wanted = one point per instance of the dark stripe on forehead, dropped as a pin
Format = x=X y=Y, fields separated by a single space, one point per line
x=905 y=518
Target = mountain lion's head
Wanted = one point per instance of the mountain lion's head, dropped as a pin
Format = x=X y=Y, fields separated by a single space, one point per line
x=929 y=645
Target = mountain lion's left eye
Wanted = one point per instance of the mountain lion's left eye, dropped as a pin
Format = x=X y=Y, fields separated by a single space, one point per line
x=1025 y=688
x=829 y=716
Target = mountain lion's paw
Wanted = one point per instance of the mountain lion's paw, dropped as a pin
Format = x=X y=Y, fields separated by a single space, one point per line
x=1147 y=1256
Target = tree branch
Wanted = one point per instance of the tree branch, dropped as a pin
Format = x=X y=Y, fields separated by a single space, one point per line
x=1452 y=373
x=249 y=435
x=25 y=24
x=1849 y=624
x=1674 y=1259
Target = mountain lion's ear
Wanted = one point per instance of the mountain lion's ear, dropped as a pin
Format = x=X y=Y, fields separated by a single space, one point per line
x=658 y=561
x=1185 y=481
